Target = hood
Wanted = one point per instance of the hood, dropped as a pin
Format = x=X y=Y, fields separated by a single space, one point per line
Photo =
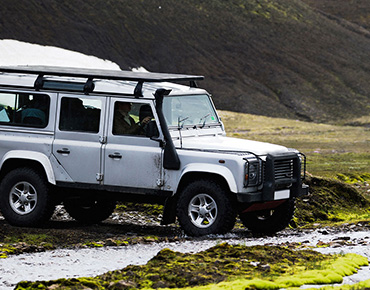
x=223 y=143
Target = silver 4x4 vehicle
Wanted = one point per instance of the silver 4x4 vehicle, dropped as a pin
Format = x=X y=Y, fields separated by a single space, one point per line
x=89 y=138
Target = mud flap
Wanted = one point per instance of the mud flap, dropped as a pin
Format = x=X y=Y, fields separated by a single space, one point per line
x=169 y=211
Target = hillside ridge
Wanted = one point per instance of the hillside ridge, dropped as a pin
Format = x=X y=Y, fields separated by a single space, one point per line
x=292 y=59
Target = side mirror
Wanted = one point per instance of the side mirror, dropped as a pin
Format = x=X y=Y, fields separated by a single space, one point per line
x=152 y=130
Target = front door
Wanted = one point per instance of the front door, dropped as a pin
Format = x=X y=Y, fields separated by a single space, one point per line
x=132 y=161
x=77 y=145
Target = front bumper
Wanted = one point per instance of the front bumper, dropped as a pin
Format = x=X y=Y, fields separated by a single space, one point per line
x=282 y=179
x=276 y=195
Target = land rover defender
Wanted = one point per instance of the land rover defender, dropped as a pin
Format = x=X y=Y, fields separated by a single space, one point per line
x=89 y=138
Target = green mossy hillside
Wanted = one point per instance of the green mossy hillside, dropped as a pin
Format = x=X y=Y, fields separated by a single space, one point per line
x=331 y=200
x=352 y=178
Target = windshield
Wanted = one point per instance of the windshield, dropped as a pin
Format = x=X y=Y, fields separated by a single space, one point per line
x=193 y=110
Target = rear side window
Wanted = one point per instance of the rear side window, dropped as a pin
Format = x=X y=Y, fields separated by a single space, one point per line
x=24 y=109
x=80 y=114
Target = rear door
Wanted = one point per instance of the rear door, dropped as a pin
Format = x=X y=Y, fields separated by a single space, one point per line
x=78 y=137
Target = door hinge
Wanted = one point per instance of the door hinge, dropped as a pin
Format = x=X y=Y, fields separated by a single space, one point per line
x=160 y=182
x=99 y=176
x=103 y=139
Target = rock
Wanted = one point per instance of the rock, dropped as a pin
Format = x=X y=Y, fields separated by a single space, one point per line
x=110 y=243
x=342 y=239
x=335 y=245
x=121 y=285
x=265 y=268
x=161 y=284
x=321 y=244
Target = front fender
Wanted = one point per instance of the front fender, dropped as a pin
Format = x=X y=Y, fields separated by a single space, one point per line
x=212 y=169
x=34 y=156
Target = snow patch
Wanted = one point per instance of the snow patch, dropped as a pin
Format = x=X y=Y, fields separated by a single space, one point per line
x=14 y=52
x=139 y=69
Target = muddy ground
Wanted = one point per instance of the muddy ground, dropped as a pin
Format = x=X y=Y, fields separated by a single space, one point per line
x=130 y=227
x=64 y=232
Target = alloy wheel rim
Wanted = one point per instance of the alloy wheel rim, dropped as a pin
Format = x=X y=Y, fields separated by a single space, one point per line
x=23 y=198
x=202 y=210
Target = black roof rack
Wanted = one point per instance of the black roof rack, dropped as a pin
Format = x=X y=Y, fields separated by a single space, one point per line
x=91 y=74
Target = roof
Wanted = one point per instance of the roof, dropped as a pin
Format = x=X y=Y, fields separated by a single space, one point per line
x=100 y=74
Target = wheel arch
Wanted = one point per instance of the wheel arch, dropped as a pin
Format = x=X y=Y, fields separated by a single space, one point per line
x=204 y=171
x=169 y=212
x=19 y=158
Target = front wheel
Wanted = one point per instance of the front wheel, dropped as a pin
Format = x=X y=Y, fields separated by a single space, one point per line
x=24 y=198
x=204 y=207
x=269 y=221
x=89 y=211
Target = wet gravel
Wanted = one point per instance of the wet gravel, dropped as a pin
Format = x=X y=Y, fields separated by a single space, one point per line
x=80 y=262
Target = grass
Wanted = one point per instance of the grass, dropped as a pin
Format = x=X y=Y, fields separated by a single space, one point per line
x=330 y=149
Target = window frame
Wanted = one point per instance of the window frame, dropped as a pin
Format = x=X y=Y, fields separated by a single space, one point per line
x=95 y=129
x=17 y=109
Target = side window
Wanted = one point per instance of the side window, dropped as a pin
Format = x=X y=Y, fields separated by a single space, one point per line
x=24 y=109
x=131 y=118
x=80 y=114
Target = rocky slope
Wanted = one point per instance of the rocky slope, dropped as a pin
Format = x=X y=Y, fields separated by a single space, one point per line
x=290 y=59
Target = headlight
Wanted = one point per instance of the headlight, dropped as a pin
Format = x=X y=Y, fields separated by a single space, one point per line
x=252 y=173
x=302 y=159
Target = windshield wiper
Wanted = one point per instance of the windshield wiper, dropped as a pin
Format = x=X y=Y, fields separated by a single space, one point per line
x=205 y=119
x=180 y=122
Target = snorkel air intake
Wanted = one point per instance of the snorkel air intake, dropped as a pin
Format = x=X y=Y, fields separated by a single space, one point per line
x=170 y=159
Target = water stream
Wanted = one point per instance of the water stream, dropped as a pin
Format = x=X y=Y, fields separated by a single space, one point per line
x=68 y=263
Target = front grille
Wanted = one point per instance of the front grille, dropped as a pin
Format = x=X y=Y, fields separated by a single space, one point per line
x=282 y=172
x=283 y=169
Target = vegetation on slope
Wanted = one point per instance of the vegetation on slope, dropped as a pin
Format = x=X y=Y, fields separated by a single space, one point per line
x=266 y=57
x=331 y=202
x=354 y=11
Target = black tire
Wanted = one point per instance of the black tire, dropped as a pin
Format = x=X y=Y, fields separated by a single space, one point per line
x=24 y=198
x=89 y=211
x=204 y=207
x=269 y=221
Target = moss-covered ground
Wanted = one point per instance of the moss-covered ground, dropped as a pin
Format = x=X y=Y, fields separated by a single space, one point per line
x=236 y=266
x=331 y=202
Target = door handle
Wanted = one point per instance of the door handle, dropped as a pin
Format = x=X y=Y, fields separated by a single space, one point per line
x=115 y=156
x=63 y=151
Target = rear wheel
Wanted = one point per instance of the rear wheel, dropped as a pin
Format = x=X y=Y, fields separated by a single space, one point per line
x=204 y=207
x=89 y=211
x=25 y=198
x=269 y=221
